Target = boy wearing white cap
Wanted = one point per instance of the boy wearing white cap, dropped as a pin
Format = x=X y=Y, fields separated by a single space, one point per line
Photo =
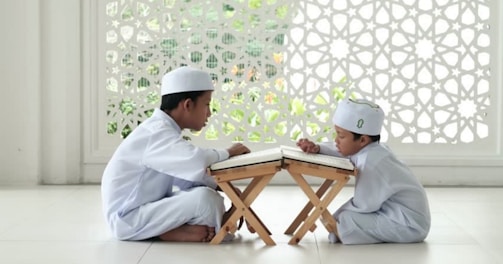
x=389 y=203
x=140 y=200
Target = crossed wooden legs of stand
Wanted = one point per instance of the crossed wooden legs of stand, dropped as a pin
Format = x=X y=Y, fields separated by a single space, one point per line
x=318 y=202
x=261 y=175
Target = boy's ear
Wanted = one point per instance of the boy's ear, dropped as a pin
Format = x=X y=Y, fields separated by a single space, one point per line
x=187 y=104
x=364 y=140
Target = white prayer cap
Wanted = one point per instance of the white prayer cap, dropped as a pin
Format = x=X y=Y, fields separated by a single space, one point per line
x=186 y=79
x=359 y=116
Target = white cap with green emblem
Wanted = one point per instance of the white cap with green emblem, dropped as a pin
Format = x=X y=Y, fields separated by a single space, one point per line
x=359 y=116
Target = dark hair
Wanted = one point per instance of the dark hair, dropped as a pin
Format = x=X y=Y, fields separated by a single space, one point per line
x=357 y=136
x=171 y=101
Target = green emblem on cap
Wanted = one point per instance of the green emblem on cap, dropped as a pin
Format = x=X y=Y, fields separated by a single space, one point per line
x=360 y=123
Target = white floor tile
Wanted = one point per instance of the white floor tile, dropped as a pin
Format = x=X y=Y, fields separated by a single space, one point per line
x=75 y=252
x=405 y=253
x=242 y=253
x=64 y=224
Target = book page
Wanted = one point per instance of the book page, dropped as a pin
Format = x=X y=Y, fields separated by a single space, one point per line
x=254 y=157
x=320 y=159
x=279 y=153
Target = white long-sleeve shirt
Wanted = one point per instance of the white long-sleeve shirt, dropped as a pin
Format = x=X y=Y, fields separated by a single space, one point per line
x=150 y=162
x=386 y=187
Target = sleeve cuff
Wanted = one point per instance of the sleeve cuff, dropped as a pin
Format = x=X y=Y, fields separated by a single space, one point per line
x=223 y=154
x=328 y=148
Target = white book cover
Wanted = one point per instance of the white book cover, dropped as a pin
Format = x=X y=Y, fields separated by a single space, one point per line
x=279 y=153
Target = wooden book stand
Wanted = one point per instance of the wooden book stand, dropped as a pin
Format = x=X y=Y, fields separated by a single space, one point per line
x=261 y=175
x=317 y=206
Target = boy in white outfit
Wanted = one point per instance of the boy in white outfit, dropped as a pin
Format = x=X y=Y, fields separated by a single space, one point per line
x=389 y=203
x=139 y=198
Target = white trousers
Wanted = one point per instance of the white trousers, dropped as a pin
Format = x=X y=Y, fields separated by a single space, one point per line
x=196 y=206
x=360 y=228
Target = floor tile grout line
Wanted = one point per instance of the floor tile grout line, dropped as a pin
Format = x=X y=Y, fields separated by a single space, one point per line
x=144 y=253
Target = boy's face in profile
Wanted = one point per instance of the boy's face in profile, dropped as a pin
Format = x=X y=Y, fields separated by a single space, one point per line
x=199 y=111
x=346 y=143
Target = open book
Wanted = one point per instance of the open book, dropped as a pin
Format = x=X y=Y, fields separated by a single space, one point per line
x=280 y=153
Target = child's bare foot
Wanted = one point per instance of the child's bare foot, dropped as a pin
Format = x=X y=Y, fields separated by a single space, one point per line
x=189 y=233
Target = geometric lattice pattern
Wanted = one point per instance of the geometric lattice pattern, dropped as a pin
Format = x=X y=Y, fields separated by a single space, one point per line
x=281 y=66
x=425 y=62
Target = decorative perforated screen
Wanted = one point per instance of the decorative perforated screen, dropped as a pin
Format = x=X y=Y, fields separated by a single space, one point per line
x=281 y=66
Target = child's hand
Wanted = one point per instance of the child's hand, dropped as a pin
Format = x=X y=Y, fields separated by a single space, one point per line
x=238 y=149
x=308 y=146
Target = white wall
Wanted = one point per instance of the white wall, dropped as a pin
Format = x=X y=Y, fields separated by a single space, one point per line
x=20 y=92
x=40 y=102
